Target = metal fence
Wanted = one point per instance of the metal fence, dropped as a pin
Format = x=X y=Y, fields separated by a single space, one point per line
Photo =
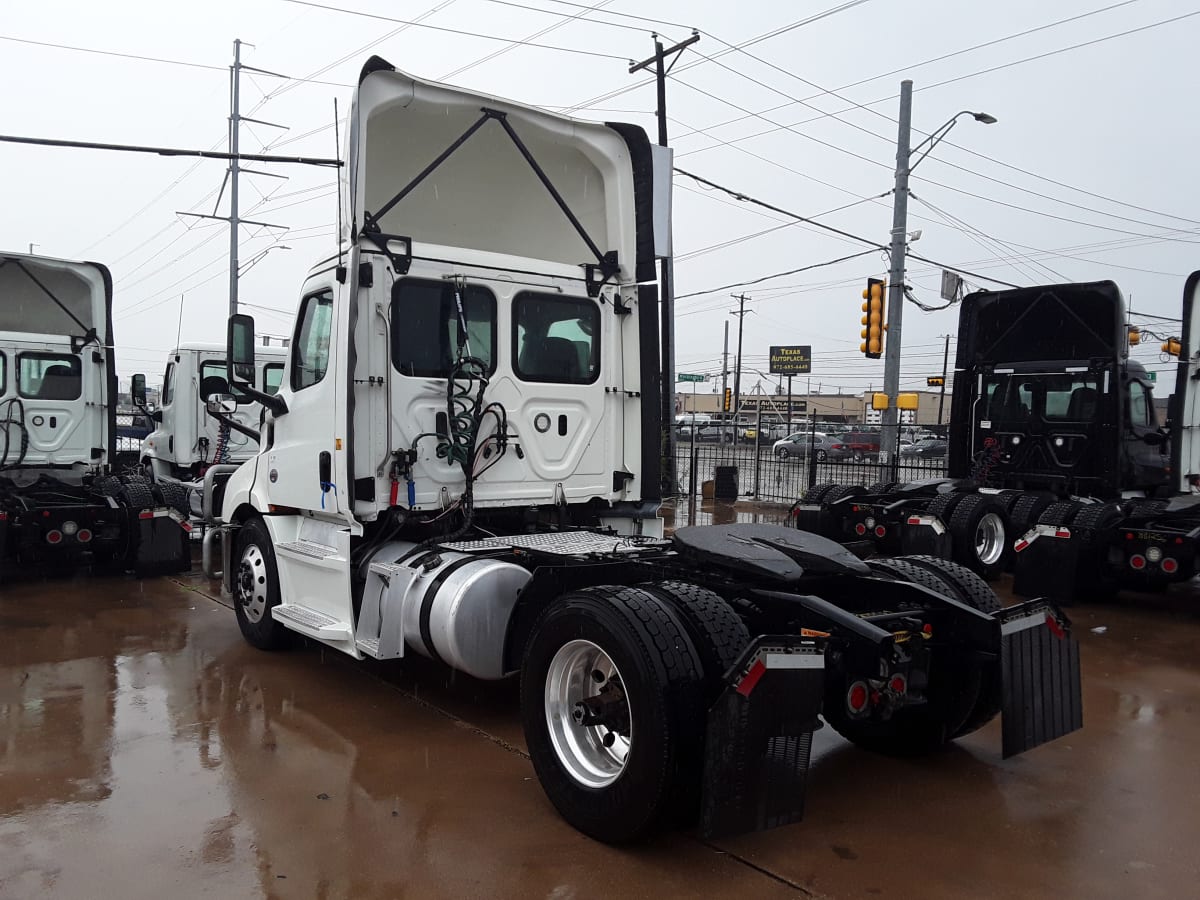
x=760 y=475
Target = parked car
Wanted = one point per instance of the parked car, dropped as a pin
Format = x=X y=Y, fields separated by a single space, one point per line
x=803 y=443
x=930 y=448
x=862 y=444
x=704 y=434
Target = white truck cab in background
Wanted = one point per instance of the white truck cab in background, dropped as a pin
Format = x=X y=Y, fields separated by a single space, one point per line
x=187 y=439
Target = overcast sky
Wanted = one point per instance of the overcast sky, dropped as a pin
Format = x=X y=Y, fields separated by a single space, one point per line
x=1089 y=173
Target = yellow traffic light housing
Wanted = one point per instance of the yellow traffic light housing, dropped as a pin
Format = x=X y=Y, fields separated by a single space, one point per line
x=1172 y=346
x=1135 y=335
x=728 y=399
x=872 y=320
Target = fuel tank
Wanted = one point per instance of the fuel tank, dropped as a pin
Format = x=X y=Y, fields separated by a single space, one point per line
x=450 y=606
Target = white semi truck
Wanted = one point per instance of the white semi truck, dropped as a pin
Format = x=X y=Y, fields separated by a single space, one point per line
x=62 y=504
x=462 y=462
x=186 y=439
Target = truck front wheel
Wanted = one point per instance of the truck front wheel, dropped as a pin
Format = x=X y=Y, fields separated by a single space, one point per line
x=256 y=588
x=611 y=703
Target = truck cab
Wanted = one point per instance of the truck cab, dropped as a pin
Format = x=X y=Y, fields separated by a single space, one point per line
x=187 y=438
x=1045 y=397
x=62 y=504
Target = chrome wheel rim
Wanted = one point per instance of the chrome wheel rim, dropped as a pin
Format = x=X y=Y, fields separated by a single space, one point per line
x=252 y=583
x=588 y=714
x=989 y=539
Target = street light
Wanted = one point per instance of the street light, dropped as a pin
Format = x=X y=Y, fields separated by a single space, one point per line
x=259 y=257
x=899 y=246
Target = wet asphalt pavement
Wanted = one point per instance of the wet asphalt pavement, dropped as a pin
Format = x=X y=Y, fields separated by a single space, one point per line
x=146 y=751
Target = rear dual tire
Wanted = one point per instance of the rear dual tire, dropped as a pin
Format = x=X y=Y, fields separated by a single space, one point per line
x=619 y=749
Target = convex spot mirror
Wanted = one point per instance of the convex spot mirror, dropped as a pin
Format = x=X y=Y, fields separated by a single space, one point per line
x=137 y=390
x=241 y=349
x=221 y=404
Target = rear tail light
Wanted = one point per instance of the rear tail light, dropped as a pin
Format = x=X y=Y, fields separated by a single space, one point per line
x=880 y=531
x=84 y=535
x=1137 y=561
x=898 y=684
x=857 y=697
x=1170 y=566
x=860 y=529
x=54 y=537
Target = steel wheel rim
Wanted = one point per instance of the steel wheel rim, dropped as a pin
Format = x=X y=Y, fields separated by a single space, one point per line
x=252 y=583
x=989 y=539
x=593 y=754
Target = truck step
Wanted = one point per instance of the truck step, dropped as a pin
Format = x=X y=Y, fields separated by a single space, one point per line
x=369 y=646
x=310 y=549
x=312 y=623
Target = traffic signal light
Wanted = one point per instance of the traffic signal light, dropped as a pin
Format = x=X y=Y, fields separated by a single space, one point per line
x=1135 y=335
x=728 y=399
x=935 y=381
x=1172 y=346
x=872 y=320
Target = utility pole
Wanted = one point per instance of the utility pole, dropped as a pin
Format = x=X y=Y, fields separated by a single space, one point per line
x=666 y=300
x=945 y=368
x=737 y=366
x=899 y=245
x=234 y=127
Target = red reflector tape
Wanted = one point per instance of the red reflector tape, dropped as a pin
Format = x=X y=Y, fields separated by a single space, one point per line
x=186 y=526
x=146 y=514
x=914 y=520
x=1062 y=532
x=1020 y=545
x=751 y=678
x=1055 y=628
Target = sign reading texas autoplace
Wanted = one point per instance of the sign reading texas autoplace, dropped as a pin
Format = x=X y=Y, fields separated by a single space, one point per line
x=791 y=360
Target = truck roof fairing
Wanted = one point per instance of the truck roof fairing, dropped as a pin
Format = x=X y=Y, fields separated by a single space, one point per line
x=1046 y=322
x=453 y=168
x=42 y=295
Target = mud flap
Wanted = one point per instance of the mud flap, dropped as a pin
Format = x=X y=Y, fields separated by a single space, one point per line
x=3 y=542
x=1039 y=666
x=759 y=737
x=164 y=545
x=925 y=536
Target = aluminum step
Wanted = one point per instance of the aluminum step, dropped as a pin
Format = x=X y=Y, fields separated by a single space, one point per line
x=369 y=646
x=312 y=623
x=311 y=549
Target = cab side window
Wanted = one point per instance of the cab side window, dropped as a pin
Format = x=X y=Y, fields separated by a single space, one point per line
x=49 y=376
x=556 y=339
x=310 y=348
x=272 y=378
x=3 y=374
x=1141 y=405
x=168 y=391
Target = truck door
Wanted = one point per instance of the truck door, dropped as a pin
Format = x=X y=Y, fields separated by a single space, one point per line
x=301 y=463
x=63 y=394
x=1146 y=453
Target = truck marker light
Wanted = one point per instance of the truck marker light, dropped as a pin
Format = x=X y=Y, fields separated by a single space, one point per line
x=3 y=517
x=1170 y=566
x=54 y=537
x=1177 y=540
x=1129 y=535
x=927 y=629
x=1137 y=561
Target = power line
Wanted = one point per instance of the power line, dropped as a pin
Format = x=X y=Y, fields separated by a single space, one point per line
x=862 y=240
x=486 y=37
x=820 y=265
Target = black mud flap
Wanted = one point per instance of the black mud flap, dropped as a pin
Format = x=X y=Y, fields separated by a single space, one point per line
x=760 y=737
x=3 y=542
x=925 y=536
x=164 y=545
x=1039 y=665
x=1048 y=563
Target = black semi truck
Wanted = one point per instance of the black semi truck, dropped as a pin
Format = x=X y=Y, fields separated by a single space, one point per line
x=1058 y=466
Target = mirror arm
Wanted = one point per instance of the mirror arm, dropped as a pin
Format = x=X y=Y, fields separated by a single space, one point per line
x=273 y=402
x=236 y=426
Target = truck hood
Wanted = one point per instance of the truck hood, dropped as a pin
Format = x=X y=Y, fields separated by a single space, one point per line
x=410 y=172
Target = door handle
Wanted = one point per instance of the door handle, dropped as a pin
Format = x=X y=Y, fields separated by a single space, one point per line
x=325 y=468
